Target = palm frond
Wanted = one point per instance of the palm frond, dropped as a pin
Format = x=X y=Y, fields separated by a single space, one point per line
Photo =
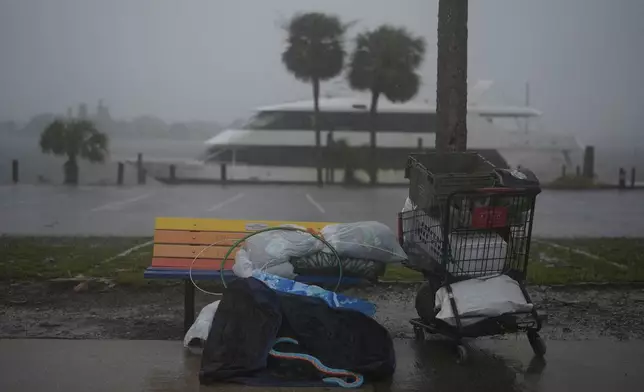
x=385 y=61
x=315 y=46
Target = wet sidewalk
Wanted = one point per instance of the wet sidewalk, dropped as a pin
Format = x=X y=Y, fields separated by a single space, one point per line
x=164 y=366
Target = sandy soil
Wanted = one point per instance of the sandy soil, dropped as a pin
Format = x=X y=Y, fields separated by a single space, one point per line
x=43 y=310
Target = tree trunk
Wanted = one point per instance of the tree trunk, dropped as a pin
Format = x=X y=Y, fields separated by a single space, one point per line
x=373 y=156
x=316 y=127
x=71 y=171
x=451 y=91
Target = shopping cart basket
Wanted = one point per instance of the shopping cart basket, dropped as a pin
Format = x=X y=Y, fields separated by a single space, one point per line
x=471 y=234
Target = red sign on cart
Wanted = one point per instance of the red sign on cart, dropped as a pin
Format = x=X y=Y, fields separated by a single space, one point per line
x=489 y=217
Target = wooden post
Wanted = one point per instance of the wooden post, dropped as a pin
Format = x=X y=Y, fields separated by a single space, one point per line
x=329 y=155
x=119 y=173
x=223 y=172
x=140 y=174
x=15 y=174
x=589 y=162
x=633 y=177
x=420 y=143
x=622 y=178
x=563 y=171
x=173 y=173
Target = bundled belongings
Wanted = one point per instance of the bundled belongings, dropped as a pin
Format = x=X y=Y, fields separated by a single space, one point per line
x=269 y=338
x=325 y=264
x=363 y=249
x=276 y=247
x=198 y=332
x=365 y=240
x=332 y=299
x=481 y=298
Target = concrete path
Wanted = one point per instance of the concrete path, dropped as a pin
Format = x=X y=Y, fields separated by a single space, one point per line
x=47 y=210
x=164 y=366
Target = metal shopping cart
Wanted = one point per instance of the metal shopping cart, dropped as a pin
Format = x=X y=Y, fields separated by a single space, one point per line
x=464 y=234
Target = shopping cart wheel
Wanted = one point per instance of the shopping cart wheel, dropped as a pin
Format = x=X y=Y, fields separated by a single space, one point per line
x=538 y=345
x=461 y=354
x=419 y=333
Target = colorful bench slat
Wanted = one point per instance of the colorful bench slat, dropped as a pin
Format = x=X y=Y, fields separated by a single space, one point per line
x=199 y=264
x=177 y=241
x=227 y=225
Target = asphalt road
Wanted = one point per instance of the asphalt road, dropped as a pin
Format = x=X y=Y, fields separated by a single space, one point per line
x=103 y=210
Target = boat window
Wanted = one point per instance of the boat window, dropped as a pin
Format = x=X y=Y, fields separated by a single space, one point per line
x=387 y=122
x=407 y=122
x=343 y=121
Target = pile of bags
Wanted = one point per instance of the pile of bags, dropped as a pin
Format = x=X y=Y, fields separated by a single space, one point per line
x=239 y=332
x=276 y=257
x=364 y=249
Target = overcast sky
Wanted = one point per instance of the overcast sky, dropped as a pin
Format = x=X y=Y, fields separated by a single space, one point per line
x=218 y=59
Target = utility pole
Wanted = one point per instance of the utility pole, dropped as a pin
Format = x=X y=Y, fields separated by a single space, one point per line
x=451 y=80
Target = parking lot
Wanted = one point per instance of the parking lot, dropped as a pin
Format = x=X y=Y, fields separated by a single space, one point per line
x=101 y=210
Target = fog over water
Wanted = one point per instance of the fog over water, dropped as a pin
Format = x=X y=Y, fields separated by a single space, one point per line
x=214 y=61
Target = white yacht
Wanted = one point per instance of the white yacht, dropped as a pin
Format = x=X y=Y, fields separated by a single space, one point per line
x=283 y=136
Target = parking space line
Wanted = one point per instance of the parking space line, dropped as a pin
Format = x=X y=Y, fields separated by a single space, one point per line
x=226 y=202
x=315 y=203
x=116 y=205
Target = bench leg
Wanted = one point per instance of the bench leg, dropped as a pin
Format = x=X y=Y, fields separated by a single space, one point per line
x=188 y=305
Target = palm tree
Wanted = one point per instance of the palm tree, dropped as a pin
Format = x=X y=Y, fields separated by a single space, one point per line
x=74 y=139
x=451 y=86
x=384 y=62
x=315 y=52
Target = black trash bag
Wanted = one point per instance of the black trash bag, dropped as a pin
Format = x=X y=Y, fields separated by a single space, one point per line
x=251 y=317
x=242 y=333
x=340 y=338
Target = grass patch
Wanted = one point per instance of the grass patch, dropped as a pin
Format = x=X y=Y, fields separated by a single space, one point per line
x=559 y=261
x=614 y=260
x=43 y=258
x=400 y=273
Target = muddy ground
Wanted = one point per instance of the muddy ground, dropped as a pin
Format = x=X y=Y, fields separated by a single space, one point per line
x=44 y=310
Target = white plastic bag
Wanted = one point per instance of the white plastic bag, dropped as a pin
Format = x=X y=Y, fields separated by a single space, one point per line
x=484 y=297
x=243 y=267
x=409 y=205
x=278 y=246
x=364 y=240
x=198 y=332
x=407 y=223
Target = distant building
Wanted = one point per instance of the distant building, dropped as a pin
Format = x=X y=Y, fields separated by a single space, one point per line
x=103 y=118
x=82 y=111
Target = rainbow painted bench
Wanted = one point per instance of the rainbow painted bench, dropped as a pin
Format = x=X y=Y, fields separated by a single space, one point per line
x=178 y=241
